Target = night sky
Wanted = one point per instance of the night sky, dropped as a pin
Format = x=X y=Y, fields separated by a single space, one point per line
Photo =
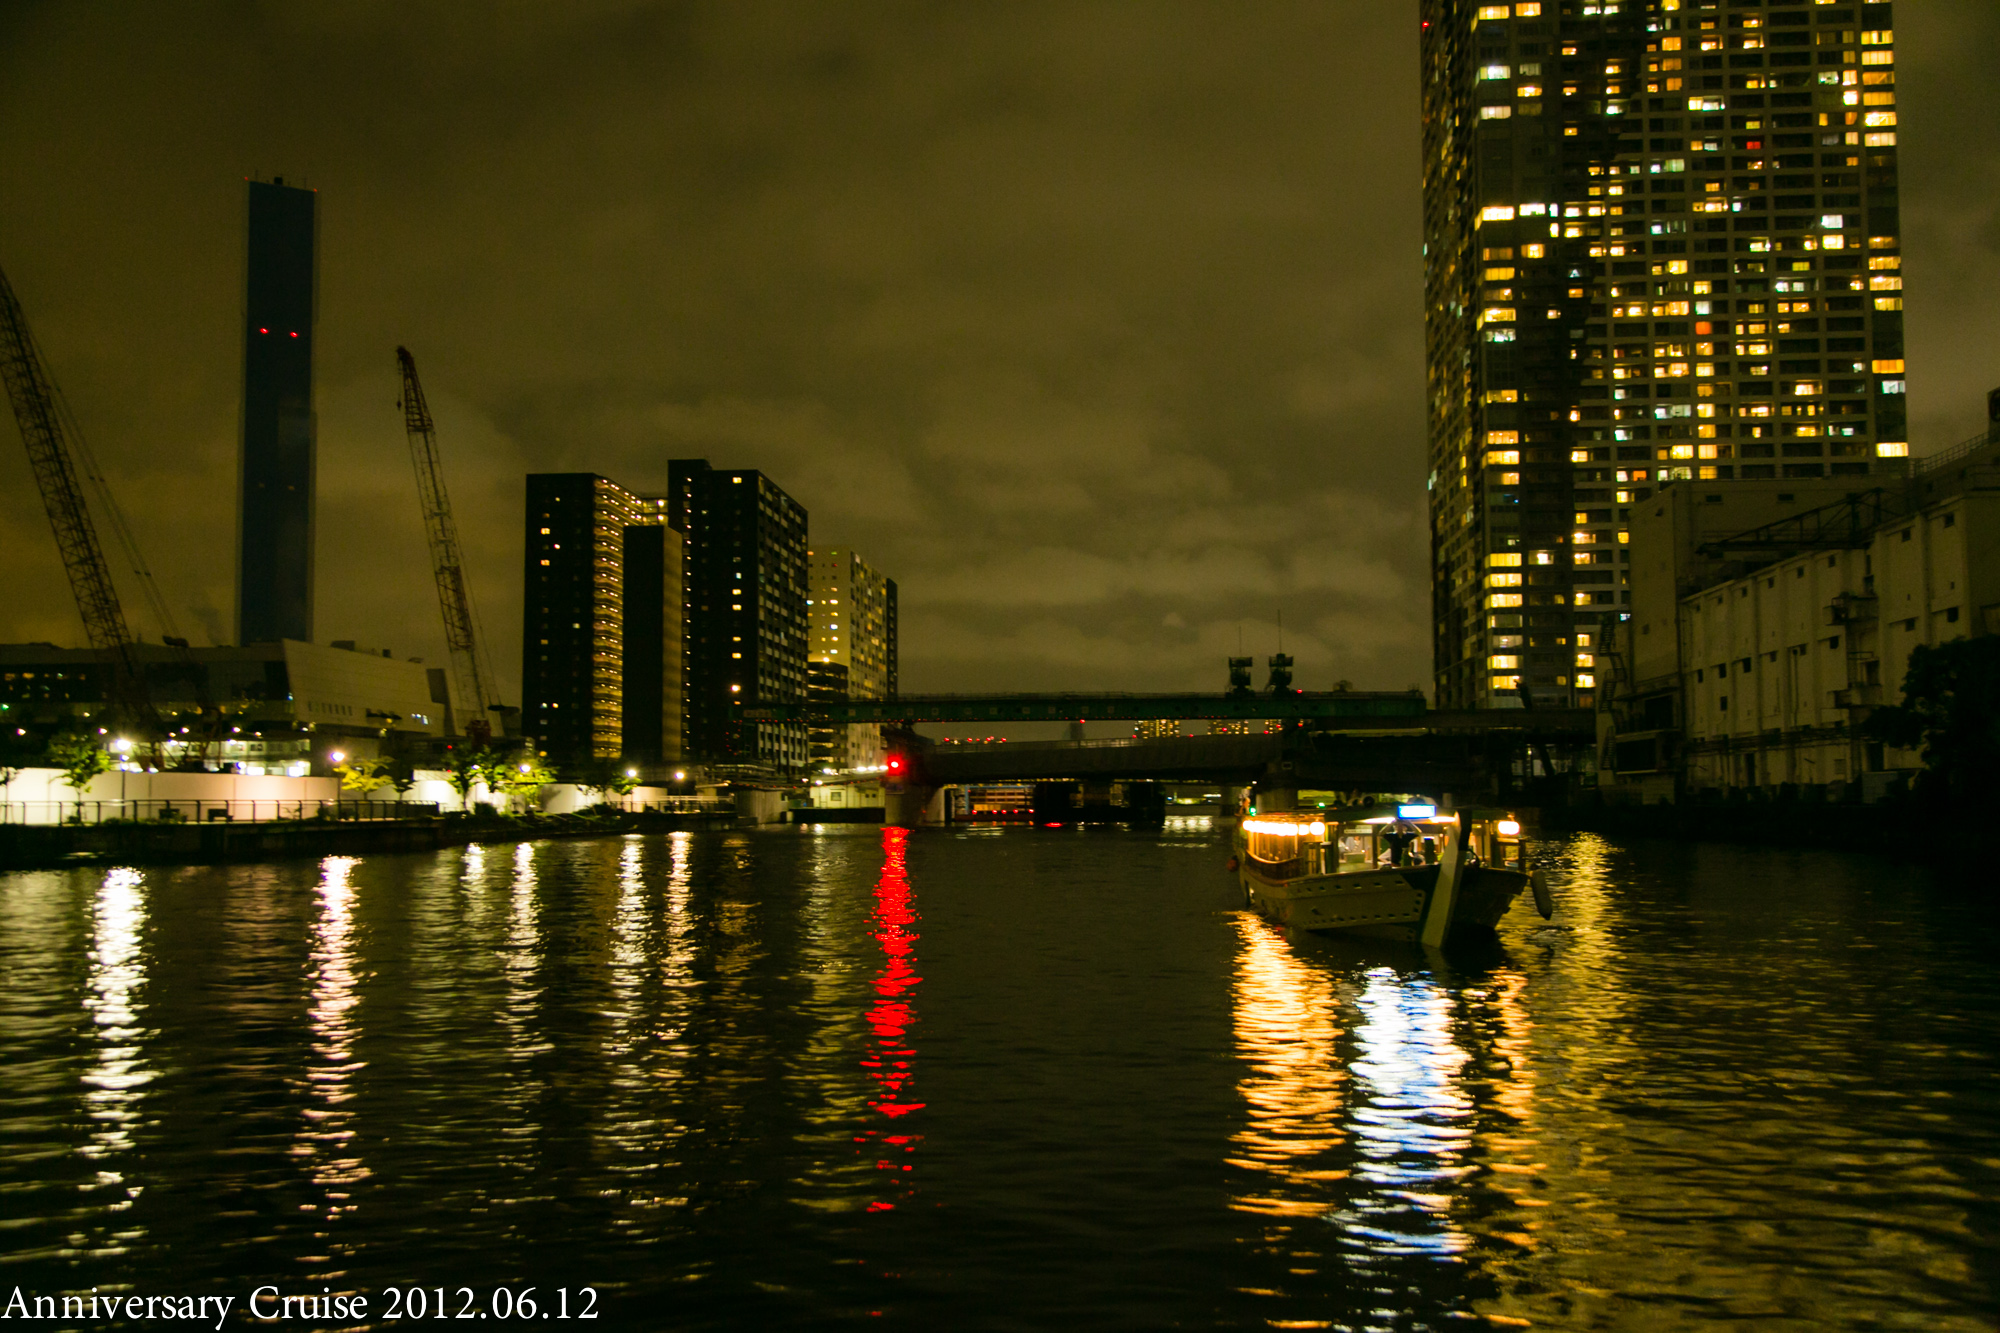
x=1096 y=326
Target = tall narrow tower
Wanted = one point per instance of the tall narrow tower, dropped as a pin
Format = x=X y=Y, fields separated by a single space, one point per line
x=274 y=552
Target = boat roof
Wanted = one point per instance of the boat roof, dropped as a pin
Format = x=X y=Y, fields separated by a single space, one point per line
x=1383 y=812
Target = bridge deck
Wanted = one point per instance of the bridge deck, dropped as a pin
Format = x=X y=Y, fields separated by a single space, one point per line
x=909 y=708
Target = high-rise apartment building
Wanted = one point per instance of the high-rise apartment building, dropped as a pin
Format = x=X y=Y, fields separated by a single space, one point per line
x=744 y=588
x=848 y=602
x=1661 y=242
x=603 y=637
x=275 y=471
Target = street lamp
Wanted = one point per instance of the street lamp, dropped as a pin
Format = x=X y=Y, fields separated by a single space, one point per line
x=123 y=748
x=336 y=756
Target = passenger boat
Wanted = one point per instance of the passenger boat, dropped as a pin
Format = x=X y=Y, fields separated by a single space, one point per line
x=1402 y=872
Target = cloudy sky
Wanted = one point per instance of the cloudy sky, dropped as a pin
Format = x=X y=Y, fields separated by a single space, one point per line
x=1096 y=325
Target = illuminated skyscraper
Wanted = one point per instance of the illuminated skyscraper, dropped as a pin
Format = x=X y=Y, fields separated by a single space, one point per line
x=1661 y=244
x=849 y=615
x=744 y=587
x=602 y=634
x=275 y=471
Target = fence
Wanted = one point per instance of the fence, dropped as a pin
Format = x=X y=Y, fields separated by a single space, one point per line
x=208 y=812
x=686 y=805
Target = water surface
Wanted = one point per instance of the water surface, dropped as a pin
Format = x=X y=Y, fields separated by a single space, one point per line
x=1002 y=1080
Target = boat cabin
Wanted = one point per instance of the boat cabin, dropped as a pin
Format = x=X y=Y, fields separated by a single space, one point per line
x=1291 y=844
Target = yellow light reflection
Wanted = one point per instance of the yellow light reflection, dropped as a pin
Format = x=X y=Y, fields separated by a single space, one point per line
x=117 y=975
x=1287 y=1023
x=328 y=1137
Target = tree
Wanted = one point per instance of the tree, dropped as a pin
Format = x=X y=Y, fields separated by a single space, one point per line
x=362 y=776
x=468 y=770
x=1951 y=706
x=519 y=780
x=607 y=778
x=401 y=773
x=82 y=757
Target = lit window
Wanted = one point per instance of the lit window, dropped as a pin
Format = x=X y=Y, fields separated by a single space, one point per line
x=1886 y=450
x=1506 y=682
x=1502 y=457
x=1503 y=599
x=1888 y=303
x=1885 y=284
x=1504 y=437
x=1496 y=72
x=1503 y=662
x=1497 y=212
x=1505 y=559
x=1535 y=251
x=1503 y=580
x=1514 y=395
x=1586 y=682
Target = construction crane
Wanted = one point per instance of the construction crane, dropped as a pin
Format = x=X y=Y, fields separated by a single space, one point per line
x=39 y=411
x=472 y=674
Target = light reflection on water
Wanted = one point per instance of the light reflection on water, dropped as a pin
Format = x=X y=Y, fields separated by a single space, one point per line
x=118 y=1074
x=327 y=1141
x=891 y=1062
x=1412 y=1120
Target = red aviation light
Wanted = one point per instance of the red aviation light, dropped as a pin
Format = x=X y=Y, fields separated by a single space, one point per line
x=895 y=763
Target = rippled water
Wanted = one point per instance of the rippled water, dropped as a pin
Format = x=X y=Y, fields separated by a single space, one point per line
x=1020 y=1079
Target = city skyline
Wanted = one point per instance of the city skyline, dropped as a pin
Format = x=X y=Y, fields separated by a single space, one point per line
x=1173 y=384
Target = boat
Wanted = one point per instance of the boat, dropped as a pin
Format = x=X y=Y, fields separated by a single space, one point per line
x=1401 y=871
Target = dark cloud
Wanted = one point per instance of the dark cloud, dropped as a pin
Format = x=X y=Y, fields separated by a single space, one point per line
x=1098 y=326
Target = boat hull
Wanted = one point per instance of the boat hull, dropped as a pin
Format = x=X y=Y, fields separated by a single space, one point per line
x=1385 y=903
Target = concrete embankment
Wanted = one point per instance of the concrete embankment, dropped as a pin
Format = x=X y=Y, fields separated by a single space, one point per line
x=41 y=846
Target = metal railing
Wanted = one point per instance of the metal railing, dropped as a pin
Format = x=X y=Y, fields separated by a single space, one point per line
x=687 y=805
x=210 y=812
x=1946 y=457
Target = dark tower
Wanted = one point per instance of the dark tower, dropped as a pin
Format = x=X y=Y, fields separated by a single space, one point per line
x=274 y=552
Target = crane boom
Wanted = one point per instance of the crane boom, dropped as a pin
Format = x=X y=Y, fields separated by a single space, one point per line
x=36 y=410
x=472 y=677
x=49 y=455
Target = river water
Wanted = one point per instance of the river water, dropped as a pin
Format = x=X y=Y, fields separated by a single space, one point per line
x=1016 y=1079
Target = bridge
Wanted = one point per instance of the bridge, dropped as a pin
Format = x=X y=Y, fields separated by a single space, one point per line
x=1293 y=706
x=1485 y=754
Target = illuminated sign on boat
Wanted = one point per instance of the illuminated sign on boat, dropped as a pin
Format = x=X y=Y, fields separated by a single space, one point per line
x=1415 y=811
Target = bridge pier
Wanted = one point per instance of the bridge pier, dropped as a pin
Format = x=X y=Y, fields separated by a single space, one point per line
x=910 y=806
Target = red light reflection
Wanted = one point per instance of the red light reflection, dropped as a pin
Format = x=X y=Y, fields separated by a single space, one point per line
x=891 y=1061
